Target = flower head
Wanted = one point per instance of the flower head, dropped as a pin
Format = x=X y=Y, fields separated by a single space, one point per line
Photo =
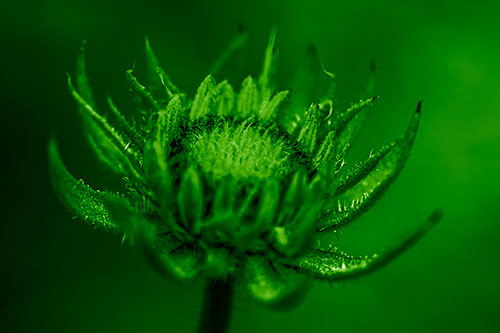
x=235 y=184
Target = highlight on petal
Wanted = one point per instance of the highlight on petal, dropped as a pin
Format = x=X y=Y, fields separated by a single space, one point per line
x=83 y=201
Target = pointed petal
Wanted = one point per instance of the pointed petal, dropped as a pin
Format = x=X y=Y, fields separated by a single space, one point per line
x=82 y=200
x=248 y=98
x=269 y=109
x=336 y=265
x=224 y=99
x=273 y=285
x=82 y=80
x=361 y=170
x=190 y=198
x=343 y=119
x=359 y=197
x=268 y=67
x=141 y=94
x=203 y=99
x=136 y=138
x=160 y=82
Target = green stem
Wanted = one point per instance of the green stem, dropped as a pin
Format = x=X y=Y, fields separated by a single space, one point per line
x=217 y=307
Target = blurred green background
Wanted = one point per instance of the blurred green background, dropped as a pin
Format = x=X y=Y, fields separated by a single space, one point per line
x=60 y=276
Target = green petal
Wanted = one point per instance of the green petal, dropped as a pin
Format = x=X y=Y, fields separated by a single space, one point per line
x=335 y=265
x=124 y=126
x=295 y=237
x=190 y=198
x=141 y=94
x=82 y=79
x=159 y=81
x=294 y=197
x=343 y=119
x=181 y=262
x=248 y=98
x=82 y=200
x=273 y=285
x=308 y=134
x=361 y=170
x=269 y=108
x=203 y=99
x=224 y=100
x=268 y=67
x=357 y=198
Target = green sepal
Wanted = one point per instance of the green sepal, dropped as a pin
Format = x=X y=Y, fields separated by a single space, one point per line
x=155 y=163
x=342 y=120
x=308 y=135
x=356 y=199
x=268 y=67
x=248 y=99
x=160 y=83
x=83 y=201
x=296 y=237
x=180 y=262
x=273 y=285
x=293 y=198
x=190 y=198
x=141 y=94
x=360 y=171
x=87 y=110
x=269 y=109
x=132 y=223
x=224 y=99
x=325 y=151
x=109 y=153
x=137 y=139
x=167 y=125
x=82 y=80
x=222 y=219
x=335 y=265
x=204 y=98
x=268 y=205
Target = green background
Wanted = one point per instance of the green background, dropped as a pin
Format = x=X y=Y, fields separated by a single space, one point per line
x=60 y=276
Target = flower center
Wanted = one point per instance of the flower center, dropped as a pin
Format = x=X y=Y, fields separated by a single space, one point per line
x=243 y=151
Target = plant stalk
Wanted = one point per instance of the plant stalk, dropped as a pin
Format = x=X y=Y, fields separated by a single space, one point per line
x=217 y=307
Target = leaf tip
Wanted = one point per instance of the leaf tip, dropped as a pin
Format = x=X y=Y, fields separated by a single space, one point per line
x=436 y=216
x=419 y=106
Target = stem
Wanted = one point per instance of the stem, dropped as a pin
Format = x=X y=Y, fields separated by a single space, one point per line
x=217 y=306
